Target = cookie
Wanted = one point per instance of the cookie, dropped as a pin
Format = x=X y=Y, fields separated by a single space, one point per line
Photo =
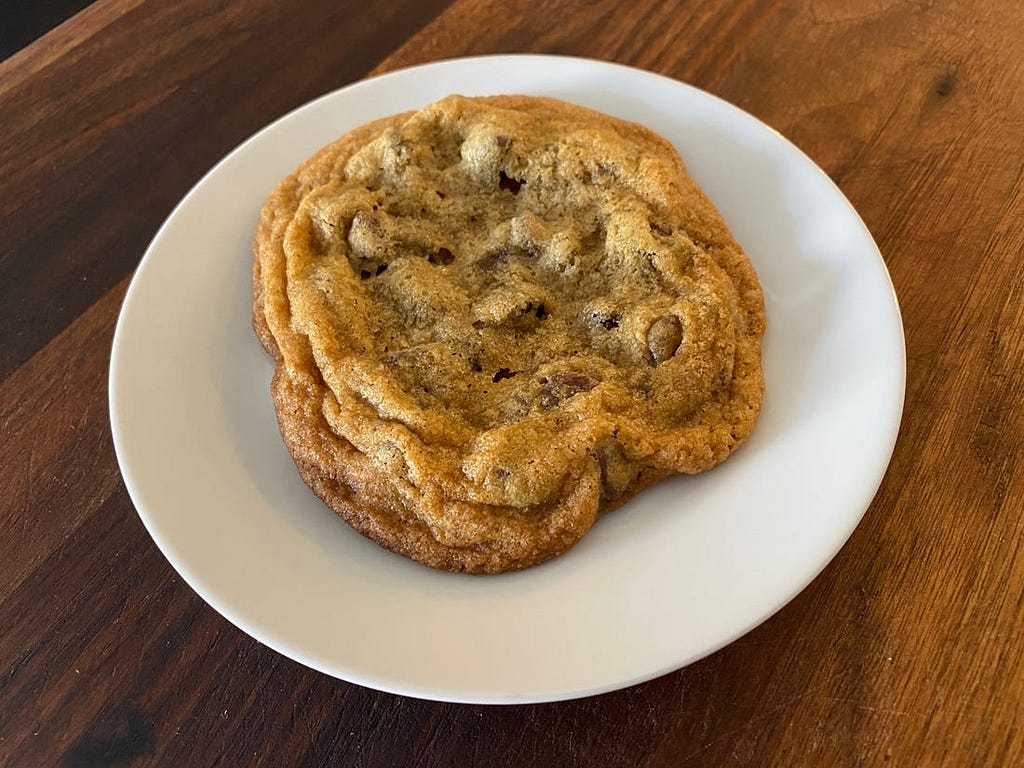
x=494 y=319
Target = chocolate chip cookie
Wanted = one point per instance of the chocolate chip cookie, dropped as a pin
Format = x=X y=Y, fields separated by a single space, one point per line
x=494 y=319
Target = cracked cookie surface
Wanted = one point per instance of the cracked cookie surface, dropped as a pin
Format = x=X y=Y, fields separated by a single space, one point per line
x=494 y=319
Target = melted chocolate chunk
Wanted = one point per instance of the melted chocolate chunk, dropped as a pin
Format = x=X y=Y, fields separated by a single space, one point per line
x=441 y=256
x=664 y=337
x=509 y=184
x=563 y=385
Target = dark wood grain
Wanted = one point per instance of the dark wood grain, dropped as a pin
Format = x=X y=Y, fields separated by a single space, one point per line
x=138 y=100
x=25 y=20
x=905 y=651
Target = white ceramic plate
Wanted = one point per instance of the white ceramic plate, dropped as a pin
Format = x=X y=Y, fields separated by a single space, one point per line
x=680 y=571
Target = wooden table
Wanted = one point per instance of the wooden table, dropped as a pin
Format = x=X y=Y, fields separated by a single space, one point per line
x=907 y=650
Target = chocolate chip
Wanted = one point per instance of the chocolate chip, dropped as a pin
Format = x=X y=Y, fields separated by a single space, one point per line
x=663 y=231
x=508 y=183
x=664 y=337
x=372 y=271
x=502 y=141
x=541 y=312
x=609 y=320
x=561 y=386
x=490 y=260
x=616 y=473
x=578 y=382
x=440 y=194
x=502 y=373
x=441 y=256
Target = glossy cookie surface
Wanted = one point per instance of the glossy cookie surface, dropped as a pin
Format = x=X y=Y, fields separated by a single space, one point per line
x=497 y=317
